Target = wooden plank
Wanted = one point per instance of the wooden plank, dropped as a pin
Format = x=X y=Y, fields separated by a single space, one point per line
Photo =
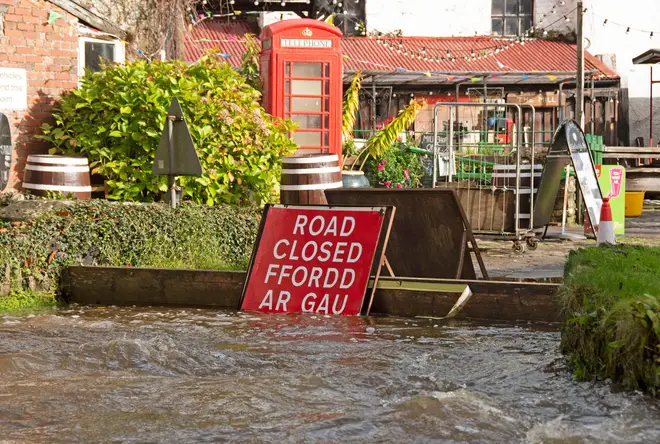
x=502 y=301
x=408 y=297
x=90 y=18
x=631 y=150
x=148 y=286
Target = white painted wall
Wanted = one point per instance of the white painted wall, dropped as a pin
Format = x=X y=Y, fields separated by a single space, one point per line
x=430 y=18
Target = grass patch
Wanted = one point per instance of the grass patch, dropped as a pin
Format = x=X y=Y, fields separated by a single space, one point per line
x=20 y=300
x=611 y=303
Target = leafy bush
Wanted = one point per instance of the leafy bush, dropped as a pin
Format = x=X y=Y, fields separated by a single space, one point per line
x=398 y=167
x=116 y=118
x=611 y=302
x=100 y=232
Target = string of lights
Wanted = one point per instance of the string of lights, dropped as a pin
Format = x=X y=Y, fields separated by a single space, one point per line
x=608 y=22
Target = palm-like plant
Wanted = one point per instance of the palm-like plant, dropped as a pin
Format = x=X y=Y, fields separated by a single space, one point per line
x=351 y=105
x=386 y=137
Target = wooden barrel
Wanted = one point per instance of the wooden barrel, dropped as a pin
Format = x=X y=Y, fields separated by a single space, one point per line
x=305 y=177
x=98 y=186
x=46 y=174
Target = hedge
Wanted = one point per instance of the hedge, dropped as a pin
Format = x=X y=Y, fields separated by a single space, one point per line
x=99 y=232
x=611 y=303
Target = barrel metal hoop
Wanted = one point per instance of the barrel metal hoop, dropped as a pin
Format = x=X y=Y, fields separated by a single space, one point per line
x=46 y=187
x=335 y=169
x=313 y=159
x=58 y=169
x=311 y=187
x=57 y=160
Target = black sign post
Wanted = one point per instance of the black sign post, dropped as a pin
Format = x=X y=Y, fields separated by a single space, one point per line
x=5 y=151
x=176 y=154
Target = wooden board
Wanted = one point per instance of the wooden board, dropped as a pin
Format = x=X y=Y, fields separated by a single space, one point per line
x=429 y=234
x=409 y=297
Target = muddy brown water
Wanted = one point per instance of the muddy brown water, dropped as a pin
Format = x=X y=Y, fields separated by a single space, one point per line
x=140 y=375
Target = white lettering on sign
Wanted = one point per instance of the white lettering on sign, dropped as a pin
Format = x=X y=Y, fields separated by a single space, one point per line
x=313 y=260
x=306 y=43
x=13 y=89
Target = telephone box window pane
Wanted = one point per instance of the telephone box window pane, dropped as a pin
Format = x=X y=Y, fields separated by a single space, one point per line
x=306 y=70
x=326 y=70
x=326 y=103
x=287 y=87
x=306 y=87
x=307 y=121
x=326 y=87
x=288 y=69
x=305 y=104
x=326 y=139
x=287 y=105
x=307 y=139
x=326 y=121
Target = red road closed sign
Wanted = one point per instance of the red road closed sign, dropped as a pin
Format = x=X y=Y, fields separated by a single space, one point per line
x=313 y=260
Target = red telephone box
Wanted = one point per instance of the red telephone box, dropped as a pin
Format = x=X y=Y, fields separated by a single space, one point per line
x=302 y=80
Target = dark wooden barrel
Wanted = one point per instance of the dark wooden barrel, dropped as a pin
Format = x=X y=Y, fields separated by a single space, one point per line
x=305 y=177
x=46 y=174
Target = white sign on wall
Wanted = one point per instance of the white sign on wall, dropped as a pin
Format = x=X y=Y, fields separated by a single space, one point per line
x=13 y=89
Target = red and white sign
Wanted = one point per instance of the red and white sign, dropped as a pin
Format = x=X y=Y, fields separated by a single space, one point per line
x=313 y=260
x=616 y=177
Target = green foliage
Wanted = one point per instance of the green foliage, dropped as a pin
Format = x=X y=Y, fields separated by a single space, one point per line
x=385 y=138
x=611 y=302
x=350 y=107
x=398 y=167
x=104 y=233
x=116 y=117
x=250 y=64
x=27 y=299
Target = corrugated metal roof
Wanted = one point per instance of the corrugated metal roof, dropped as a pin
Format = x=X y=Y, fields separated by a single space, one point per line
x=362 y=53
x=224 y=35
x=371 y=54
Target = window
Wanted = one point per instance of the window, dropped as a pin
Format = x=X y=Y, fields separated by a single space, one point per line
x=306 y=102
x=91 y=51
x=511 y=17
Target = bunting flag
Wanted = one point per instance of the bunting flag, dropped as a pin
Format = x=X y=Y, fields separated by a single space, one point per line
x=551 y=77
x=525 y=77
x=500 y=64
x=52 y=17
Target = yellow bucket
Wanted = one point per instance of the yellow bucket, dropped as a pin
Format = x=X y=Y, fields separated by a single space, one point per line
x=634 y=203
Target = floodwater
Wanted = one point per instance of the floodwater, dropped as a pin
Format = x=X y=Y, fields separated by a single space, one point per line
x=139 y=375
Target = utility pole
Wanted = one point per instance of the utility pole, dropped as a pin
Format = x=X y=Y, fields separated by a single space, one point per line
x=579 y=90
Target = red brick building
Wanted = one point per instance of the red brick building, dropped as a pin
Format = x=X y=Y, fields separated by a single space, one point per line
x=44 y=46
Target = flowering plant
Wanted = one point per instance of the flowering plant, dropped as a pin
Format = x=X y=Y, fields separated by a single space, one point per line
x=396 y=168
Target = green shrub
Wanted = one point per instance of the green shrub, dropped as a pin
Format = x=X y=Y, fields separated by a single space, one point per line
x=398 y=167
x=105 y=233
x=611 y=303
x=116 y=118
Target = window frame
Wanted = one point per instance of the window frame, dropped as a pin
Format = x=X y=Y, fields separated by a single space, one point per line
x=519 y=15
x=119 y=52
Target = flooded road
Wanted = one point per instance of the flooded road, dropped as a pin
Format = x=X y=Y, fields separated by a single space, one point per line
x=171 y=375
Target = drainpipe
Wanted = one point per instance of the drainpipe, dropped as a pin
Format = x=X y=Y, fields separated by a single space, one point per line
x=593 y=108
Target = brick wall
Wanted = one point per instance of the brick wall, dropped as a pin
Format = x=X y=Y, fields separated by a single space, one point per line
x=49 y=54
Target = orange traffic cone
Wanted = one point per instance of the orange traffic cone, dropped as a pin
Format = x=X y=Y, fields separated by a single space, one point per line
x=606 y=226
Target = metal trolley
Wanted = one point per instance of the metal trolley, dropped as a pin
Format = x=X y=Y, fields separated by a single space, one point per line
x=490 y=178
